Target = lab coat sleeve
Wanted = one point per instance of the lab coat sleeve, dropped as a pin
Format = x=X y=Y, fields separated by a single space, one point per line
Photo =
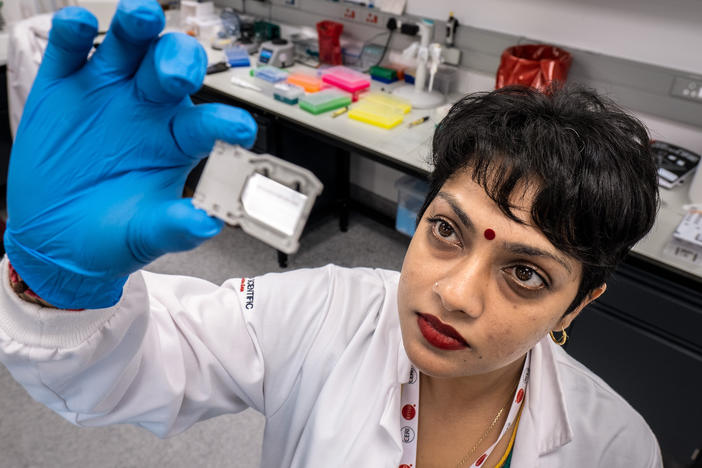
x=173 y=351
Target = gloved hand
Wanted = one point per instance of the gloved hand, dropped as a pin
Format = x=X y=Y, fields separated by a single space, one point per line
x=102 y=153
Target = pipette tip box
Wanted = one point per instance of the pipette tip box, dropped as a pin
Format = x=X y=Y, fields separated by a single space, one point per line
x=237 y=56
x=347 y=79
x=309 y=83
x=374 y=113
x=382 y=74
x=287 y=93
x=324 y=101
x=270 y=74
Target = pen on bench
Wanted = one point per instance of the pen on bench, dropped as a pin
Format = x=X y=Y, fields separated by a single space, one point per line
x=338 y=112
x=418 y=121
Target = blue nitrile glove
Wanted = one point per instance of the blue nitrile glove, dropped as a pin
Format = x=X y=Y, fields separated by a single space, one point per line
x=102 y=154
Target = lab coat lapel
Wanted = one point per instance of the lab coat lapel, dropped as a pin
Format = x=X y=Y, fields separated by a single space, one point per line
x=390 y=419
x=544 y=425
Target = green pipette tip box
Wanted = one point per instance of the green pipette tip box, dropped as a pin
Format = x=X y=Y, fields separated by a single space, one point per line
x=324 y=101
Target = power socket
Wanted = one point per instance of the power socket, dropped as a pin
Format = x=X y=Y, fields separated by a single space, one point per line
x=687 y=88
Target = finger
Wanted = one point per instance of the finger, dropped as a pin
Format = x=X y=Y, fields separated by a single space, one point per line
x=170 y=226
x=196 y=128
x=134 y=26
x=70 y=40
x=173 y=68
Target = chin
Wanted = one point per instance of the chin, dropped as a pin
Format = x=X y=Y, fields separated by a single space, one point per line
x=442 y=365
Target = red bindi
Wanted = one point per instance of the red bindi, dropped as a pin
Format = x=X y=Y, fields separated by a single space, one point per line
x=489 y=234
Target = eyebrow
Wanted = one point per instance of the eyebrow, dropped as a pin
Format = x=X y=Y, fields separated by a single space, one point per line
x=515 y=248
x=523 y=249
x=453 y=203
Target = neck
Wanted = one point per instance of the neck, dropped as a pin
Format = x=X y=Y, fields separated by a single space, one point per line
x=475 y=391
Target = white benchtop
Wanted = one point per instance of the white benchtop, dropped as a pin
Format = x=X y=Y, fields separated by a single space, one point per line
x=410 y=146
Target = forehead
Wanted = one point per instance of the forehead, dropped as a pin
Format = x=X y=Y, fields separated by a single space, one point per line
x=521 y=198
x=473 y=208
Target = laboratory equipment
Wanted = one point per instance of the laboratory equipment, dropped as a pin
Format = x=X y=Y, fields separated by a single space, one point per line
x=277 y=52
x=382 y=74
x=675 y=164
x=451 y=26
x=388 y=100
x=237 y=56
x=309 y=83
x=287 y=93
x=347 y=79
x=306 y=50
x=417 y=94
x=690 y=228
x=534 y=65
x=270 y=74
x=411 y=193
x=375 y=113
x=270 y=198
x=249 y=44
x=242 y=83
x=265 y=31
x=324 y=101
x=195 y=9
x=329 y=46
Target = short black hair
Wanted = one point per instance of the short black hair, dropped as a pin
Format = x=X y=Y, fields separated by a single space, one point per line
x=589 y=162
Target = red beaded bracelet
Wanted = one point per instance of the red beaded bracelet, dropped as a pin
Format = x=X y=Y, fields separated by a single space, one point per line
x=25 y=292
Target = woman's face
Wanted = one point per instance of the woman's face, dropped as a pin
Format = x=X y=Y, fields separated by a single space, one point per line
x=470 y=302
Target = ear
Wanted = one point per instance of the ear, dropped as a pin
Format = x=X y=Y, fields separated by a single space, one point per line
x=567 y=319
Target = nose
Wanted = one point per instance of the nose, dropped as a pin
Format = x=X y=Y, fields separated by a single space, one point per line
x=463 y=287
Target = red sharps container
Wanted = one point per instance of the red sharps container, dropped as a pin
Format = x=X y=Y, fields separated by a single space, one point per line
x=534 y=65
x=329 y=48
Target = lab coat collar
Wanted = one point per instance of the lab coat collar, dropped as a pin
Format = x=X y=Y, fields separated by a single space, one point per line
x=544 y=426
x=390 y=419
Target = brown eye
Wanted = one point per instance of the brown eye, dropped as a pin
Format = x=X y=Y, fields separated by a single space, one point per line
x=526 y=277
x=523 y=273
x=444 y=229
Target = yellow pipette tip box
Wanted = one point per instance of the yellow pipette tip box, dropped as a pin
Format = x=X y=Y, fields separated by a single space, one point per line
x=388 y=100
x=376 y=114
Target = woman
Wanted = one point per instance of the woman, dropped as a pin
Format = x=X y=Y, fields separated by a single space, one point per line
x=534 y=200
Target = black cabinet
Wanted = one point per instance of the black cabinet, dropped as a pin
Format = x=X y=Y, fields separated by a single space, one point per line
x=644 y=338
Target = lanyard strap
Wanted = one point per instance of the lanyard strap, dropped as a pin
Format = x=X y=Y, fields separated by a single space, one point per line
x=409 y=418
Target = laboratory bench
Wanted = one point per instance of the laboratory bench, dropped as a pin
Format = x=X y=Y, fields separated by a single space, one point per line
x=643 y=336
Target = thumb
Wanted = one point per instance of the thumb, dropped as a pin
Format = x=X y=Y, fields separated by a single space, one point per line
x=169 y=226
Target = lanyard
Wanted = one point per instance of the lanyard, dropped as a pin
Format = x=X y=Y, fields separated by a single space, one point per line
x=410 y=416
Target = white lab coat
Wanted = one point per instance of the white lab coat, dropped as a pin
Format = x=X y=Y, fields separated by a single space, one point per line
x=317 y=351
x=28 y=40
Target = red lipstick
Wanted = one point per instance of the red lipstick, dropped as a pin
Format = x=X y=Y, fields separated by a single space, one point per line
x=439 y=334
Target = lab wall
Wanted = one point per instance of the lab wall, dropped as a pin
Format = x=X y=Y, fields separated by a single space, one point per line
x=665 y=33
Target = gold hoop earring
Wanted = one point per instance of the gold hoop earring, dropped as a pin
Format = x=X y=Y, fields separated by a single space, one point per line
x=562 y=341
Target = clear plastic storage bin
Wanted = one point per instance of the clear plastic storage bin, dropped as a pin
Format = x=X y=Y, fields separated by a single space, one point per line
x=410 y=197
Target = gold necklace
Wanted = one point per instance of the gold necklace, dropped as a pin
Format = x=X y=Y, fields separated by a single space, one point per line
x=477 y=444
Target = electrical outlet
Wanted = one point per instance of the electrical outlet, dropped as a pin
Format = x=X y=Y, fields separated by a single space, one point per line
x=372 y=18
x=350 y=13
x=687 y=88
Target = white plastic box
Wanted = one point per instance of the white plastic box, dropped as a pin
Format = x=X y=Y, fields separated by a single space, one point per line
x=411 y=193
